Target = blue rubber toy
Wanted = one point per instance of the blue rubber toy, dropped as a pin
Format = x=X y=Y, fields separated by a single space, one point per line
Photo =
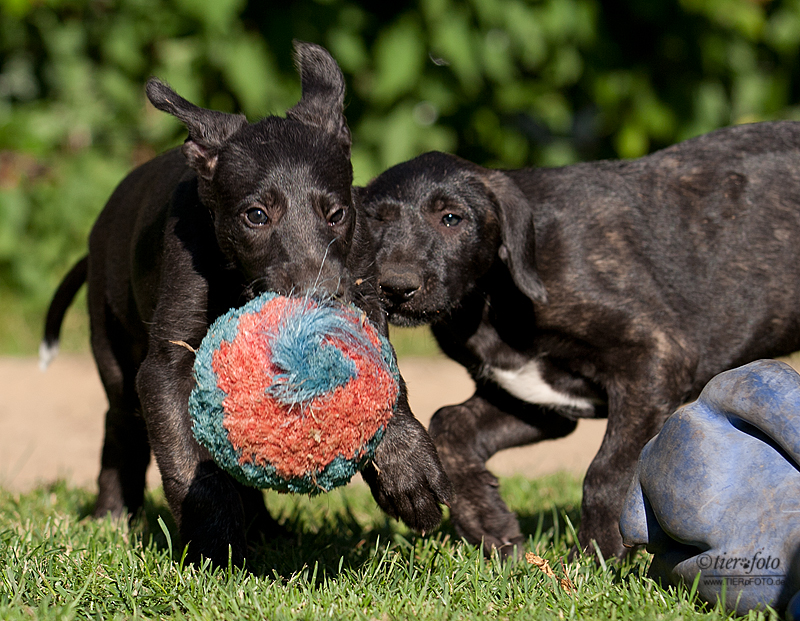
x=717 y=491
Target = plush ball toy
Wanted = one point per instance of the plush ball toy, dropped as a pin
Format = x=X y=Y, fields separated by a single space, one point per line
x=717 y=491
x=293 y=394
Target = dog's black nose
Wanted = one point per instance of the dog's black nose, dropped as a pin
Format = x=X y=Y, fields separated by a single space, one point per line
x=399 y=285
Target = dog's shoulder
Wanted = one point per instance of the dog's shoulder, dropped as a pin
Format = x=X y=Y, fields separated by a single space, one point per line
x=541 y=185
x=164 y=168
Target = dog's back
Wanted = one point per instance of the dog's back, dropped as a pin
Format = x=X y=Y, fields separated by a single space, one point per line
x=125 y=245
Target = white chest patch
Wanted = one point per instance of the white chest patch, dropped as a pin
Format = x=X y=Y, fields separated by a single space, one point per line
x=527 y=384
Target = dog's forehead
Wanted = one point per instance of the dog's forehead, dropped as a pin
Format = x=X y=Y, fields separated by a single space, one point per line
x=287 y=155
x=418 y=182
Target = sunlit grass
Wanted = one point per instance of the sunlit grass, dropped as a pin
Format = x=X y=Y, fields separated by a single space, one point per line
x=344 y=559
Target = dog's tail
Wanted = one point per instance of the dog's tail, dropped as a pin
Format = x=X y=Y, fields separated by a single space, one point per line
x=48 y=348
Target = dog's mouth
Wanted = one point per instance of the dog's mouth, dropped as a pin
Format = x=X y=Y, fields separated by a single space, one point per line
x=412 y=306
x=281 y=282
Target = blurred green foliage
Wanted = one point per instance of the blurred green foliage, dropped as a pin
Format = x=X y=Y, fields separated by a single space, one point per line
x=501 y=82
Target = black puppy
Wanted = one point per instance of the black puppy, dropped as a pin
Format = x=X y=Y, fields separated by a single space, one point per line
x=602 y=289
x=239 y=209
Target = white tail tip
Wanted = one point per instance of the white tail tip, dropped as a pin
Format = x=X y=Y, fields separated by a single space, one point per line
x=46 y=354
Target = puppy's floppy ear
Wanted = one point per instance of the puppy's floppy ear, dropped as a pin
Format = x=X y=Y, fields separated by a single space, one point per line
x=322 y=103
x=209 y=130
x=518 y=248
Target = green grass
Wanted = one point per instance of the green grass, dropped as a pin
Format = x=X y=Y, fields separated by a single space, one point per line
x=343 y=560
x=413 y=341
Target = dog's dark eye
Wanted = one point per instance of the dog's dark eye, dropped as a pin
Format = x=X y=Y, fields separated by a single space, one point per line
x=336 y=217
x=451 y=219
x=257 y=216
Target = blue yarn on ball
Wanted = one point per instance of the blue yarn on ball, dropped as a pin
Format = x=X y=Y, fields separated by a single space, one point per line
x=295 y=375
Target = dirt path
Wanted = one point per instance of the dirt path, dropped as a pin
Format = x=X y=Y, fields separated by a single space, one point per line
x=51 y=424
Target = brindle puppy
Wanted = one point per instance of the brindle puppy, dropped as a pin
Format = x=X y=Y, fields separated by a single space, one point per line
x=602 y=289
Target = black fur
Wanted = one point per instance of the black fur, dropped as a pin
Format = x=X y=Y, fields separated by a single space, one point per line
x=630 y=284
x=240 y=209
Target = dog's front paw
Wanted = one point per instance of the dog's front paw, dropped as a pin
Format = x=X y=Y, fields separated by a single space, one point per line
x=479 y=514
x=406 y=476
x=211 y=518
x=219 y=547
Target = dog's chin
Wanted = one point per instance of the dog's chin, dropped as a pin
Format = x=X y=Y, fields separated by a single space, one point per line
x=405 y=320
x=410 y=316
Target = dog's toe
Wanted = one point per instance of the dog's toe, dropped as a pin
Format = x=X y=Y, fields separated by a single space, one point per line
x=479 y=515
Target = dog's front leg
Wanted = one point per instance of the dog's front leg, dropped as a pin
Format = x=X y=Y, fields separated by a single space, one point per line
x=406 y=476
x=639 y=403
x=203 y=499
x=466 y=436
x=604 y=488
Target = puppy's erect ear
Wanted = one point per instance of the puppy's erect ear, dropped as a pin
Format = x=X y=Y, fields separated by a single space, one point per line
x=322 y=104
x=209 y=130
x=518 y=250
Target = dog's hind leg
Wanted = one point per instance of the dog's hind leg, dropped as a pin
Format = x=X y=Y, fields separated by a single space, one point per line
x=467 y=435
x=126 y=450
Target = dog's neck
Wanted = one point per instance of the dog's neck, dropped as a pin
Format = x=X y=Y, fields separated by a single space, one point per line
x=495 y=305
